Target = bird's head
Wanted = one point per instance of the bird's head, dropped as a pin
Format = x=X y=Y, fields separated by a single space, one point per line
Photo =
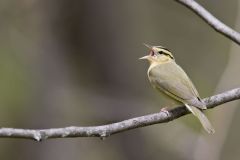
x=158 y=54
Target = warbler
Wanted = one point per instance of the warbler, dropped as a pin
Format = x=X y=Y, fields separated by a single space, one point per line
x=168 y=77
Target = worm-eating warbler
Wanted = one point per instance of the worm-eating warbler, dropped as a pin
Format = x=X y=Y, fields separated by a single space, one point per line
x=167 y=76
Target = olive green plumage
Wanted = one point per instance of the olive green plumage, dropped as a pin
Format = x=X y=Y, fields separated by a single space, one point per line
x=172 y=80
x=168 y=77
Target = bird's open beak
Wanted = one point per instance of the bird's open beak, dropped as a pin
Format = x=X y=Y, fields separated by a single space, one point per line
x=147 y=45
x=148 y=56
x=145 y=57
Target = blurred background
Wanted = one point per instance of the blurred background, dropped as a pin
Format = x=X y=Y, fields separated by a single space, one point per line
x=66 y=63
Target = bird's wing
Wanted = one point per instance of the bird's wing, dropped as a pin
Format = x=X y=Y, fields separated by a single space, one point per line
x=172 y=80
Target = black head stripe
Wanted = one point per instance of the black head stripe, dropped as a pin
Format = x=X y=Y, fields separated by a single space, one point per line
x=163 y=48
x=169 y=55
x=166 y=54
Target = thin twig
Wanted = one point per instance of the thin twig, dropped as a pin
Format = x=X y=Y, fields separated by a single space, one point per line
x=110 y=129
x=211 y=20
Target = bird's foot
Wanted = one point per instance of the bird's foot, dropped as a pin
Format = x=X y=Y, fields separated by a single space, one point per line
x=165 y=110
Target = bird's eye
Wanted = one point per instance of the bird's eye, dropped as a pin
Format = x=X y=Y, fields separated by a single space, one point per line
x=160 y=52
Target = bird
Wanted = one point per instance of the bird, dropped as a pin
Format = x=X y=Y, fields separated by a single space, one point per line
x=168 y=77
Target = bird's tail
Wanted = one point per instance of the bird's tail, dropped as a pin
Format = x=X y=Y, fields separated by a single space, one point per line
x=202 y=118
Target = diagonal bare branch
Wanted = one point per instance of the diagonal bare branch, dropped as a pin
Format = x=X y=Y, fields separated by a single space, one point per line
x=211 y=20
x=110 y=129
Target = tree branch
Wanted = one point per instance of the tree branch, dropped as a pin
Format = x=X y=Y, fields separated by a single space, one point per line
x=161 y=117
x=110 y=129
x=211 y=20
